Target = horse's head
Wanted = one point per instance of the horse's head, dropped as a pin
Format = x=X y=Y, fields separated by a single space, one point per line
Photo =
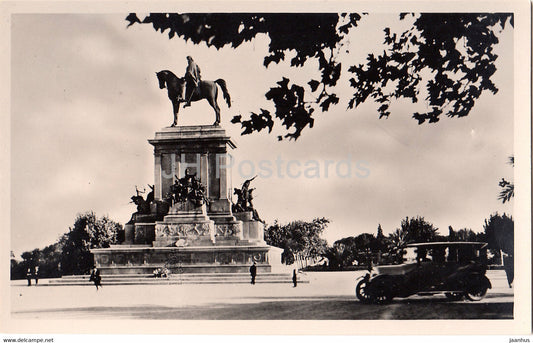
x=161 y=78
x=173 y=83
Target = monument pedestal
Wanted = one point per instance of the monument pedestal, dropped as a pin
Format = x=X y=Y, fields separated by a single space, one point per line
x=191 y=239
x=253 y=230
x=185 y=225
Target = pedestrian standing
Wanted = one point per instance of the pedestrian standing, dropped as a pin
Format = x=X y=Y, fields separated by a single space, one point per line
x=36 y=275
x=294 y=278
x=253 y=273
x=95 y=277
x=28 y=276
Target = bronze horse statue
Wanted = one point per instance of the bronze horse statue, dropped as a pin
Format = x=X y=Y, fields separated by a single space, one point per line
x=206 y=90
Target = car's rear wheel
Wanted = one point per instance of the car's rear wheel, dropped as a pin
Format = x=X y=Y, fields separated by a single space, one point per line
x=381 y=291
x=476 y=294
x=361 y=291
x=477 y=287
x=384 y=298
x=454 y=296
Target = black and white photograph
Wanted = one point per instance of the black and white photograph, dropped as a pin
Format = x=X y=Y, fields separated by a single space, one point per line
x=266 y=168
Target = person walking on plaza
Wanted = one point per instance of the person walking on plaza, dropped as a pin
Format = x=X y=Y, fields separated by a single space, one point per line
x=253 y=273
x=95 y=277
x=28 y=276
x=36 y=276
x=294 y=278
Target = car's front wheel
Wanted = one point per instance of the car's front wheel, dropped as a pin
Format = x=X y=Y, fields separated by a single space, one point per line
x=361 y=291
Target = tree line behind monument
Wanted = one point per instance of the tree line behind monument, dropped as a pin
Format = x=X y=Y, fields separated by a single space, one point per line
x=301 y=241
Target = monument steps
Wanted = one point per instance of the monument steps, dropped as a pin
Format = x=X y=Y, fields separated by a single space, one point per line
x=204 y=278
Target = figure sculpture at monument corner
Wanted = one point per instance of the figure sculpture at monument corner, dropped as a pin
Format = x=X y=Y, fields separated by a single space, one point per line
x=191 y=88
x=244 y=200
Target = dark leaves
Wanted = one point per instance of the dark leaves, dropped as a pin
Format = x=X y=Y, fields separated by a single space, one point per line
x=457 y=48
x=431 y=117
x=291 y=109
x=305 y=35
x=353 y=19
x=236 y=119
x=313 y=84
x=132 y=18
x=330 y=100
x=507 y=192
x=383 y=111
x=257 y=122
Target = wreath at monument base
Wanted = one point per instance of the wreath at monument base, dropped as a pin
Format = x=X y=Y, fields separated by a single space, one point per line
x=161 y=272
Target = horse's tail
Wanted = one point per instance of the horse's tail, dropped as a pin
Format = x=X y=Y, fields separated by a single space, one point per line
x=222 y=85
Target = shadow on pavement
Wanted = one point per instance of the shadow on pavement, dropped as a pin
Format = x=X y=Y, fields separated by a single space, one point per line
x=325 y=308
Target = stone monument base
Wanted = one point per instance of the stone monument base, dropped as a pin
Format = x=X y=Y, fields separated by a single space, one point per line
x=200 y=233
x=136 y=259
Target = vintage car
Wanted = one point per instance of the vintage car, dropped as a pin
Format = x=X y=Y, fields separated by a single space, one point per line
x=456 y=269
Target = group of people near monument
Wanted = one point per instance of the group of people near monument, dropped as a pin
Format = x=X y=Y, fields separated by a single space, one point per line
x=32 y=274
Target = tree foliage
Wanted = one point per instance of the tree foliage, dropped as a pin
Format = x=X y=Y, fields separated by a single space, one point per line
x=381 y=242
x=418 y=230
x=87 y=233
x=359 y=249
x=300 y=240
x=30 y=259
x=465 y=235
x=455 y=49
x=390 y=249
x=507 y=191
x=499 y=232
x=71 y=253
x=47 y=259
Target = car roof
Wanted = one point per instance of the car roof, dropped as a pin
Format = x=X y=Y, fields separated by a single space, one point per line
x=481 y=245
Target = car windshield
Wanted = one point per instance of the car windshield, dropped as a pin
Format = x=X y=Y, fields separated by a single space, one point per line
x=443 y=253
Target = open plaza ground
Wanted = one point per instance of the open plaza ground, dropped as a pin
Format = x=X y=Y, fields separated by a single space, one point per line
x=328 y=296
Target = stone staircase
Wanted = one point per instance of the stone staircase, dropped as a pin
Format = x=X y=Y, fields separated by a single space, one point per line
x=149 y=279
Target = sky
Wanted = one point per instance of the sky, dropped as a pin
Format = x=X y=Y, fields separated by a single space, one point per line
x=85 y=100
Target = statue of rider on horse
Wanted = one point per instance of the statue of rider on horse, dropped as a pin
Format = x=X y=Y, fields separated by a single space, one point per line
x=192 y=88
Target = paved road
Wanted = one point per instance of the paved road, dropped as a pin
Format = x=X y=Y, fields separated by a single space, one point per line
x=328 y=296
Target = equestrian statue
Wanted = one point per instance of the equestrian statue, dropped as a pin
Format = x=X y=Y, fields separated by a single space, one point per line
x=192 y=88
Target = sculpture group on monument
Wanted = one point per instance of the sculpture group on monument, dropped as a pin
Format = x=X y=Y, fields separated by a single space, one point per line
x=188 y=218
